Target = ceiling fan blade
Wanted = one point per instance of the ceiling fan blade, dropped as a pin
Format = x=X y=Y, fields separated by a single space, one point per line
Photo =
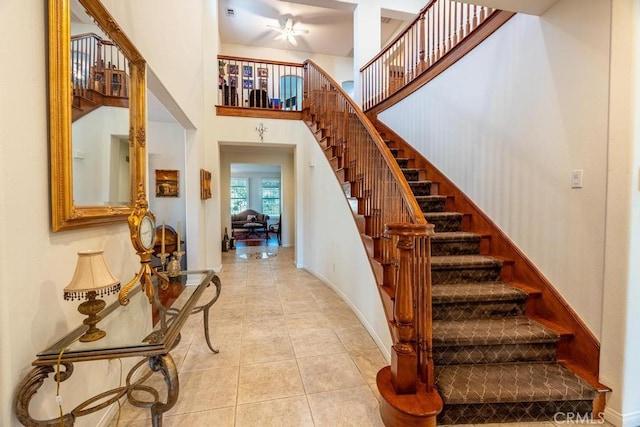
x=281 y=36
x=275 y=27
x=292 y=40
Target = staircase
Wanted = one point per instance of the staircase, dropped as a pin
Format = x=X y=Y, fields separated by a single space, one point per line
x=479 y=334
x=87 y=100
x=493 y=363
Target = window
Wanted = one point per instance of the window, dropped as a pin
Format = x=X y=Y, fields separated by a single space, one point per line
x=239 y=194
x=270 y=196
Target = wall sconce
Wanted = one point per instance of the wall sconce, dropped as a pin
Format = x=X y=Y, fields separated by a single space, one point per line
x=92 y=278
x=261 y=129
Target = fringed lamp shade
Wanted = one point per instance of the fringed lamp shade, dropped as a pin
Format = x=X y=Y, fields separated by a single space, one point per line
x=92 y=274
x=92 y=278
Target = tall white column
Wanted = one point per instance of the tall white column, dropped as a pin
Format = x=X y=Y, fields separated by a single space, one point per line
x=366 y=39
x=620 y=347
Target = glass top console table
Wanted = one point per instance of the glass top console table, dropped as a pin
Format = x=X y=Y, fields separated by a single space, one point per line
x=139 y=329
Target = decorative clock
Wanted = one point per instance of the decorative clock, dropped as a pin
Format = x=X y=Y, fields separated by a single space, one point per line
x=142 y=227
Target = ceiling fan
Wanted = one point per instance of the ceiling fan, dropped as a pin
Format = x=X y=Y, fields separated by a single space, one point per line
x=287 y=32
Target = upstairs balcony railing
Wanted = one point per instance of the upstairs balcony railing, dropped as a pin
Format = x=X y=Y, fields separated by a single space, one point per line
x=98 y=65
x=258 y=83
x=439 y=27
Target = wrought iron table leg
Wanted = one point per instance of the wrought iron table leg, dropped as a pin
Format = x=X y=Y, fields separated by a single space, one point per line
x=165 y=364
x=205 y=312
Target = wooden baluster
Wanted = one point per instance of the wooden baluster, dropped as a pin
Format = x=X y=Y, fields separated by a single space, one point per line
x=421 y=42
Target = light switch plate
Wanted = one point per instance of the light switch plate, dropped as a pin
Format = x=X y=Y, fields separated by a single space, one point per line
x=576 y=179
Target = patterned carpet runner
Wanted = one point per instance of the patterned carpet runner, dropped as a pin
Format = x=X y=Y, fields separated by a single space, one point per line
x=493 y=364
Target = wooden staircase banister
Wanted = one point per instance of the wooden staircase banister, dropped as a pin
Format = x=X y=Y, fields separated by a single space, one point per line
x=414 y=209
x=396 y=236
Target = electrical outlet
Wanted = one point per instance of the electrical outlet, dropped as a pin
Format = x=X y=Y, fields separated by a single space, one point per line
x=576 y=179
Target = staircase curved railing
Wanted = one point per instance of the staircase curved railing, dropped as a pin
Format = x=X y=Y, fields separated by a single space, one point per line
x=98 y=64
x=395 y=227
x=439 y=28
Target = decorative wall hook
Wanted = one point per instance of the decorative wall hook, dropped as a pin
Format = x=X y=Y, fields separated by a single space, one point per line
x=261 y=129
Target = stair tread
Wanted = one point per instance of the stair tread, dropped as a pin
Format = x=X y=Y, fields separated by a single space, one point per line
x=475 y=292
x=445 y=261
x=431 y=196
x=510 y=382
x=442 y=214
x=456 y=236
x=505 y=330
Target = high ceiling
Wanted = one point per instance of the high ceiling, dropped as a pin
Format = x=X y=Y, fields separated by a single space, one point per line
x=328 y=23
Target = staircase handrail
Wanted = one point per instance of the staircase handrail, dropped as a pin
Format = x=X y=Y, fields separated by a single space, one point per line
x=397 y=232
x=438 y=29
x=92 y=56
x=414 y=210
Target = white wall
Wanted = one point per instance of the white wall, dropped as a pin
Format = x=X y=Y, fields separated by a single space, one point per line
x=620 y=349
x=36 y=264
x=166 y=150
x=510 y=121
x=333 y=249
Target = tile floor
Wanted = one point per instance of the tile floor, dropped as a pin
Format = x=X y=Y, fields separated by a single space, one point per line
x=292 y=353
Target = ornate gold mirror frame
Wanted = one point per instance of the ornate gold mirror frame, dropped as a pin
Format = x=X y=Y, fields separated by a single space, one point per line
x=64 y=213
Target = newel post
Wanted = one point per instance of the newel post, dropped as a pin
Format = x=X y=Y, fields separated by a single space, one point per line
x=404 y=354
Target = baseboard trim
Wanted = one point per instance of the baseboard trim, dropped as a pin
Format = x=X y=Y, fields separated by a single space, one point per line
x=621 y=420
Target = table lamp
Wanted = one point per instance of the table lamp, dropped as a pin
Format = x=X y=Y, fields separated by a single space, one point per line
x=92 y=278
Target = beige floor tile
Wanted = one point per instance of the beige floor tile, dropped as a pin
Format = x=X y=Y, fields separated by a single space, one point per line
x=315 y=342
x=280 y=332
x=267 y=381
x=298 y=307
x=263 y=309
x=299 y=321
x=264 y=327
x=201 y=357
x=369 y=362
x=219 y=328
x=207 y=389
x=289 y=412
x=350 y=407
x=329 y=372
x=266 y=349
x=341 y=319
x=355 y=338
x=223 y=417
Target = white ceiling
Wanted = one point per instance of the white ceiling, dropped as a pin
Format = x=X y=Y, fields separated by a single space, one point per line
x=329 y=24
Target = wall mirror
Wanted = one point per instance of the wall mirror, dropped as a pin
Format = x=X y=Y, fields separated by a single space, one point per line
x=97 y=114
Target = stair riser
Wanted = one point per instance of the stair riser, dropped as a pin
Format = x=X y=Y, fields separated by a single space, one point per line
x=448 y=224
x=439 y=248
x=403 y=163
x=481 y=413
x=465 y=275
x=501 y=353
x=432 y=205
x=477 y=310
x=411 y=174
x=420 y=188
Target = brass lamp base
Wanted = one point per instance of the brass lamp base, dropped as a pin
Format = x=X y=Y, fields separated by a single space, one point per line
x=92 y=307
